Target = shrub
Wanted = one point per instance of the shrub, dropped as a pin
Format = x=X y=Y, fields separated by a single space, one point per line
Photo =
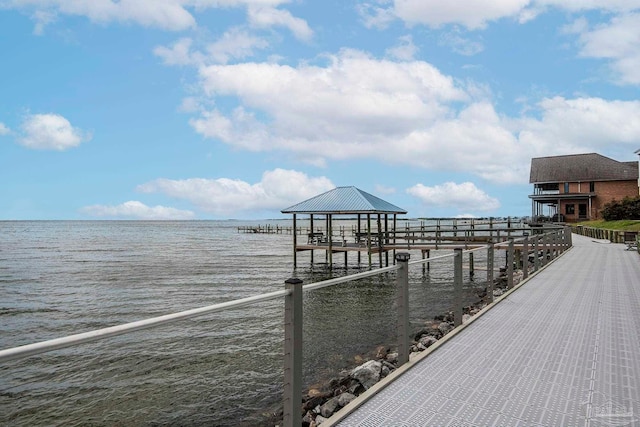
x=628 y=208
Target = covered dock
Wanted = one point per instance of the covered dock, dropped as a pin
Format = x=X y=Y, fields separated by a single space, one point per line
x=347 y=202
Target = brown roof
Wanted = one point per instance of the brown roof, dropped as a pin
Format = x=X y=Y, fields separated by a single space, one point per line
x=581 y=167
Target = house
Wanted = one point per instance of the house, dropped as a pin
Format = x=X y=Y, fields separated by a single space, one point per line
x=576 y=187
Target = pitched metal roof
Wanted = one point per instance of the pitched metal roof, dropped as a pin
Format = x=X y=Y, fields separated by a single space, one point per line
x=344 y=200
x=581 y=167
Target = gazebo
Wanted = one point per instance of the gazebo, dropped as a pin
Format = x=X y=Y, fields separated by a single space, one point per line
x=349 y=202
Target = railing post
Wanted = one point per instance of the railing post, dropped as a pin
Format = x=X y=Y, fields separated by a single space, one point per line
x=570 y=241
x=490 y=257
x=402 y=259
x=536 y=252
x=525 y=258
x=293 y=353
x=457 y=287
x=545 y=239
x=510 y=258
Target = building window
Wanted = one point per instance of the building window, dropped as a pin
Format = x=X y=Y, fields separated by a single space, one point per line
x=566 y=187
x=570 y=209
x=592 y=187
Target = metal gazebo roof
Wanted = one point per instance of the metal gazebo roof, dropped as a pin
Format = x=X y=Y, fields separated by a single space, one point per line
x=344 y=200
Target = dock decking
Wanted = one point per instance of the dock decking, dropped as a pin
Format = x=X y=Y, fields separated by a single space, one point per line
x=562 y=350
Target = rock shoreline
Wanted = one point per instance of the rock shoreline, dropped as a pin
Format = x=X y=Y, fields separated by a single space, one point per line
x=323 y=400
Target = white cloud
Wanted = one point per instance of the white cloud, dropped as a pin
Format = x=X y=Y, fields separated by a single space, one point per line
x=172 y=15
x=313 y=108
x=477 y=14
x=235 y=44
x=4 y=130
x=451 y=195
x=138 y=210
x=277 y=190
x=266 y=17
x=618 y=41
x=405 y=113
x=473 y=14
x=581 y=125
x=50 y=132
x=405 y=50
x=179 y=53
x=165 y=14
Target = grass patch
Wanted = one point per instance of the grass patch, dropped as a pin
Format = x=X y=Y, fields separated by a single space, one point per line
x=622 y=225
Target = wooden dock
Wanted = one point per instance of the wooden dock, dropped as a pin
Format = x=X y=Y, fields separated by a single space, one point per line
x=560 y=350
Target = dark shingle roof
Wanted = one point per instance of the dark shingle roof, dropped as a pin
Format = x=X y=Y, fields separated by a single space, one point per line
x=581 y=167
x=344 y=200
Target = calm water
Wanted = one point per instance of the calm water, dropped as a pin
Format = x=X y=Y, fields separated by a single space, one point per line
x=64 y=277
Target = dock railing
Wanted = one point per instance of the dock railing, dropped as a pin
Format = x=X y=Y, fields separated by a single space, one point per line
x=545 y=247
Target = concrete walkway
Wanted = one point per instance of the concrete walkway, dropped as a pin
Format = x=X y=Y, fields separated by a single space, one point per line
x=562 y=350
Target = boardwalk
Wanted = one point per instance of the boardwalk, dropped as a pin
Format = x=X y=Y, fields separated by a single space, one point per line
x=562 y=350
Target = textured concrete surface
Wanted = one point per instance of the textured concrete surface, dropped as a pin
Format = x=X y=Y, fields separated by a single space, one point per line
x=563 y=350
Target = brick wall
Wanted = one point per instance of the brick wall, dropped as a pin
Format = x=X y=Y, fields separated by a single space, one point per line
x=606 y=191
x=613 y=190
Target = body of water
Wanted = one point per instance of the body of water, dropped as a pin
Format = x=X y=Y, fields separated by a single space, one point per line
x=65 y=277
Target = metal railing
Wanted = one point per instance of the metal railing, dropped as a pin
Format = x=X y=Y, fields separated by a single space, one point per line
x=545 y=247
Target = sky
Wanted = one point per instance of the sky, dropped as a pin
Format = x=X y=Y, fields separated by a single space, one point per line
x=237 y=109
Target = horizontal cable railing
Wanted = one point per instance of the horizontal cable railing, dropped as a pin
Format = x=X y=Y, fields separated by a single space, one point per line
x=552 y=244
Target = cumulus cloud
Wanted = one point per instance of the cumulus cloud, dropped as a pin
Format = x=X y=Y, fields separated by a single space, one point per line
x=235 y=44
x=477 y=14
x=277 y=190
x=580 y=125
x=465 y=196
x=4 y=130
x=473 y=14
x=377 y=99
x=264 y=16
x=165 y=14
x=405 y=113
x=50 y=132
x=137 y=210
x=405 y=50
x=179 y=53
x=617 y=41
x=172 y=15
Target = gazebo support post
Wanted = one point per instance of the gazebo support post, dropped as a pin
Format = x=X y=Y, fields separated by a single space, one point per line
x=358 y=234
x=311 y=231
x=369 y=238
x=380 y=242
x=295 y=242
x=330 y=239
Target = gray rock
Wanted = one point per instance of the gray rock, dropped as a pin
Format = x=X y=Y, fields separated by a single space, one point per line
x=345 y=398
x=428 y=340
x=384 y=371
x=319 y=420
x=392 y=357
x=367 y=374
x=465 y=318
x=445 y=328
x=329 y=407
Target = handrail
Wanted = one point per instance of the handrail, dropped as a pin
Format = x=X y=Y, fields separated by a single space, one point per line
x=357 y=276
x=71 y=340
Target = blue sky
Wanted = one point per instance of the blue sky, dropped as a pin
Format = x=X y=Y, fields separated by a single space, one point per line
x=215 y=109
